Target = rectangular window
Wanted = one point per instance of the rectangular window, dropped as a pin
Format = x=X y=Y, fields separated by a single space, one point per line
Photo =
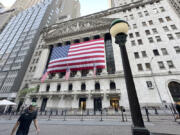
x=134 y=26
x=170 y=36
x=136 y=55
x=140 y=68
x=178 y=35
x=161 y=20
x=177 y=49
x=166 y=29
x=150 y=22
x=164 y=51
x=158 y=38
x=155 y=31
x=168 y=18
x=144 y=54
x=131 y=16
x=170 y=64
x=162 y=9
x=140 y=42
x=161 y=65
x=137 y=34
x=147 y=32
x=151 y=40
x=144 y=24
x=173 y=27
x=148 y=66
x=156 y=53
x=133 y=43
x=146 y=13
x=140 y=14
x=131 y=35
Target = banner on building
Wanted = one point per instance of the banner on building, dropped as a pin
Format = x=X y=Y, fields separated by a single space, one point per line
x=80 y=56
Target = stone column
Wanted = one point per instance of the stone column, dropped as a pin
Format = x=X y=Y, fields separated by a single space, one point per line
x=75 y=102
x=42 y=63
x=89 y=102
x=105 y=102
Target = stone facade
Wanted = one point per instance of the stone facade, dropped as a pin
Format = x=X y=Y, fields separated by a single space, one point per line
x=153 y=50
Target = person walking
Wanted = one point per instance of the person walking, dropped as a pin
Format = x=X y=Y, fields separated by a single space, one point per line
x=25 y=120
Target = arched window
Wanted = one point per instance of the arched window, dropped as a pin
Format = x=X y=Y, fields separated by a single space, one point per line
x=70 y=87
x=97 y=86
x=47 y=88
x=112 y=86
x=83 y=86
x=174 y=88
x=58 y=87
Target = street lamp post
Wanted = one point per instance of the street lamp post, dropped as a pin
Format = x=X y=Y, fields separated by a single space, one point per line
x=119 y=29
x=152 y=74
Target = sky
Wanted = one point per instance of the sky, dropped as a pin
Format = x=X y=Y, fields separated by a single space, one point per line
x=92 y=6
x=87 y=6
x=7 y=3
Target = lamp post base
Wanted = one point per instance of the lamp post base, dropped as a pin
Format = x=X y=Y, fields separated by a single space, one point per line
x=140 y=131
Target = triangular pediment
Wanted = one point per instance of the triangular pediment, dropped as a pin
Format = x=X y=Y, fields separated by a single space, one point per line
x=75 y=26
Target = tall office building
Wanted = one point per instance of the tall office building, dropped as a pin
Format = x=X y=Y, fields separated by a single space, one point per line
x=116 y=3
x=25 y=4
x=176 y=5
x=18 y=6
x=2 y=8
x=153 y=47
x=68 y=11
x=17 y=43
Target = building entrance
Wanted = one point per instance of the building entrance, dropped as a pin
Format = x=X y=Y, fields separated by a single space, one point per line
x=97 y=104
x=82 y=103
x=43 y=105
x=174 y=88
x=114 y=102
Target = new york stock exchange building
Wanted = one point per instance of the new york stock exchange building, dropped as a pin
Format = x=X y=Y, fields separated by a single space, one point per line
x=84 y=64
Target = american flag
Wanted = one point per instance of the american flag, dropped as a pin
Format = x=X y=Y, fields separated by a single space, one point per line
x=78 y=56
x=44 y=76
x=68 y=71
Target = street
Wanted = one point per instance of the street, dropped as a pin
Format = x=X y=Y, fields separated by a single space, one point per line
x=91 y=127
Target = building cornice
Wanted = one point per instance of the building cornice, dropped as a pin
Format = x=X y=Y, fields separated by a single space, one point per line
x=105 y=76
x=74 y=27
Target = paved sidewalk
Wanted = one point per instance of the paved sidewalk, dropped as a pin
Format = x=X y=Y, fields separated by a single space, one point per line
x=91 y=127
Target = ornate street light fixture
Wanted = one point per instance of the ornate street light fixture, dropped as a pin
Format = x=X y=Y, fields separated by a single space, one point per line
x=119 y=29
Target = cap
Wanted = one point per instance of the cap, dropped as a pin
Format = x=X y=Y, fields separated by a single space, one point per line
x=33 y=104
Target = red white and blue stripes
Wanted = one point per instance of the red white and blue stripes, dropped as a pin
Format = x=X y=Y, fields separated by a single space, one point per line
x=85 y=55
